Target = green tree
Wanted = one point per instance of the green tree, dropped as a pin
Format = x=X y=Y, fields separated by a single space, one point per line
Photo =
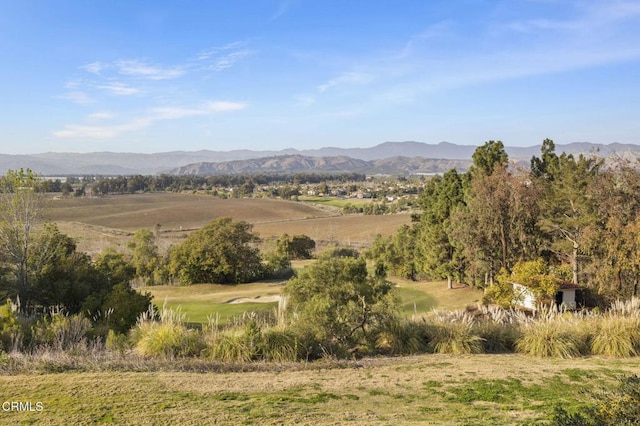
x=488 y=157
x=113 y=265
x=22 y=210
x=295 y=247
x=498 y=225
x=613 y=240
x=339 y=302
x=397 y=253
x=149 y=266
x=438 y=255
x=566 y=210
x=123 y=305
x=222 y=252
x=547 y=162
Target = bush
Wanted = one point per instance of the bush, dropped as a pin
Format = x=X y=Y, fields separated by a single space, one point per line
x=617 y=406
x=337 y=301
x=117 y=342
x=230 y=348
x=402 y=338
x=222 y=252
x=496 y=337
x=168 y=340
x=167 y=337
x=552 y=338
x=252 y=344
x=61 y=332
x=454 y=338
x=616 y=336
x=10 y=329
x=279 y=346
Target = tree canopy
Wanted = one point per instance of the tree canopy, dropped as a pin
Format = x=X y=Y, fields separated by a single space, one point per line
x=222 y=252
x=565 y=211
x=339 y=301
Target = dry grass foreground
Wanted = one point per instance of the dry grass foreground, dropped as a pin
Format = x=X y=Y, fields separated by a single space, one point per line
x=99 y=222
x=428 y=389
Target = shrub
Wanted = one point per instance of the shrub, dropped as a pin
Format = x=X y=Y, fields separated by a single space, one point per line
x=230 y=348
x=551 y=338
x=61 y=332
x=167 y=337
x=617 y=406
x=279 y=346
x=236 y=345
x=497 y=337
x=168 y=340
x=10 y=329
x=337 y=300
x=454 y=338
x=222 y=252
x=616 y=336
x=402 y=338
x=117 y=342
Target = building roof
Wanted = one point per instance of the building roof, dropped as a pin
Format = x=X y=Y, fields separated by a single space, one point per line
x=566 y=285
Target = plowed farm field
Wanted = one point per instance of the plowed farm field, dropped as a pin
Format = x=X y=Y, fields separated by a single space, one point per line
x=110 y=221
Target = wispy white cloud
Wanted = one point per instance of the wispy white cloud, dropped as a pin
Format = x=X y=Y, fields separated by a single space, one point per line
x=221 y=58
x=100 y=132
x=347 y=78
x=120 y=89
x=94 y=67
x=144 y=70
x=135 y=68
x=227 y=61
x=432 y=32
x=108 y=131
x=100 y=116
x=170 y=113
x=77 y=97
x=446 y=56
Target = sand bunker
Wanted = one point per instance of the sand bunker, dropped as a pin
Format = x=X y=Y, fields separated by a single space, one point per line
x=257 y=299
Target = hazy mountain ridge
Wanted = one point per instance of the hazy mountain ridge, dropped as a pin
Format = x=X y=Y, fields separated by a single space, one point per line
x=301 y=163
x=114 y=163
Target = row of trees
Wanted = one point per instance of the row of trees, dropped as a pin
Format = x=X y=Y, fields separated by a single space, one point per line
x=578 y=217
x=242 y=183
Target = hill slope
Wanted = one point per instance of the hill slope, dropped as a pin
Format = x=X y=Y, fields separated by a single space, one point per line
x=112 y=163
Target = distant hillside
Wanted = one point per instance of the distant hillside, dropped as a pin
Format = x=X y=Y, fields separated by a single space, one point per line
x=301 y=163
x=111 y=163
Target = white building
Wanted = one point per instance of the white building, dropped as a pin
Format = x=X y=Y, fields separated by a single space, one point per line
x=565 y=297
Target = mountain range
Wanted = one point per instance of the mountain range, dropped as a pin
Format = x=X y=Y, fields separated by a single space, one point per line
x=388 y=157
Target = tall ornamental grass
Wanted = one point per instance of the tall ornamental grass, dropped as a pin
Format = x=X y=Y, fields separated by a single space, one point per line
x=616 y=336
x=167 y=336
x=552 y=338
x=453 y=337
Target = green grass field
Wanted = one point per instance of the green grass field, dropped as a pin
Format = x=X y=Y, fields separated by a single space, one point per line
x=202 y=302
x=334 y=202
x=427 y=389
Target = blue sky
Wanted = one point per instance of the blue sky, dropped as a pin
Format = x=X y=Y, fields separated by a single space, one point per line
x=154 y=76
